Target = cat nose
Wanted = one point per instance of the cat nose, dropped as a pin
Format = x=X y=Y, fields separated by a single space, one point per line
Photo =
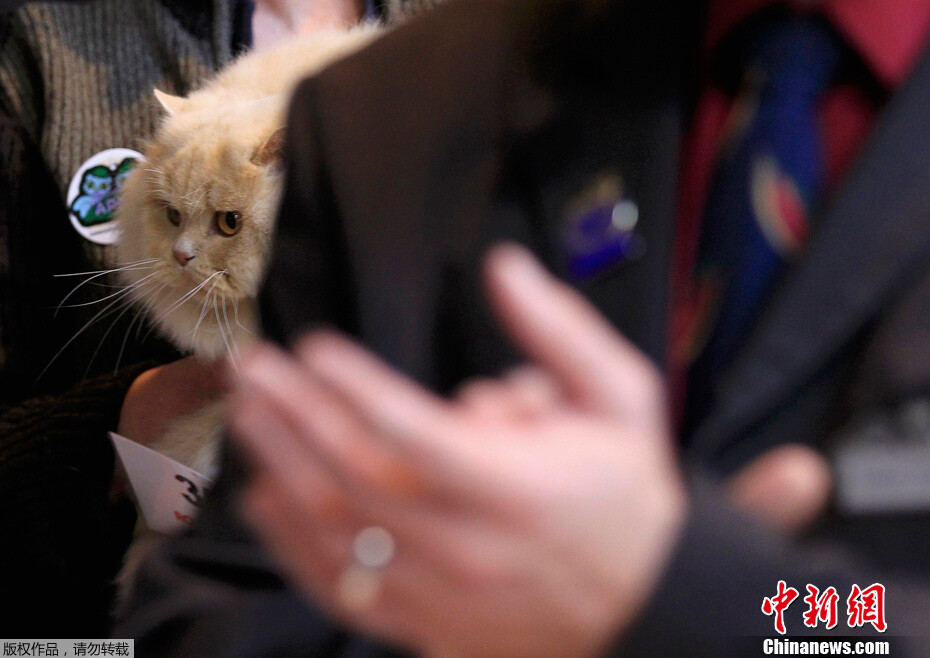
x=183 y=257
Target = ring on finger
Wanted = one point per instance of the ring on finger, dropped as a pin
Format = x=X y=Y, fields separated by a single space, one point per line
x=360 y=583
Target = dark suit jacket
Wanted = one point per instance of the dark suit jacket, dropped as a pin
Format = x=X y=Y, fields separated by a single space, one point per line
x=486 y=121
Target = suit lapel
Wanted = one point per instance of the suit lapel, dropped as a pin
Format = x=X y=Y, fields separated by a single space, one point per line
x=872 y=236
x=628 y=129
x=631 y=293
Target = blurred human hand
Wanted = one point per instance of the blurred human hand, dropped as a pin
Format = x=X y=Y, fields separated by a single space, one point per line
x=788 y=487
x=534 y=526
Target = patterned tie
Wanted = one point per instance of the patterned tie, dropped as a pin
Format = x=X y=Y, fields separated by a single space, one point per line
x=769 y=174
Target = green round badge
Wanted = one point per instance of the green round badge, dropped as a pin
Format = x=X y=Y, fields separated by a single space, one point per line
x=93 y=195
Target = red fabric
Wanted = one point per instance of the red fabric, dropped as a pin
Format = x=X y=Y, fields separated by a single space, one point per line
x=888 y=36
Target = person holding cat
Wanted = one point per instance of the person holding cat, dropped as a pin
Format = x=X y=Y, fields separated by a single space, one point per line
x=75 y=98
x=76 y=81
x=580 y=535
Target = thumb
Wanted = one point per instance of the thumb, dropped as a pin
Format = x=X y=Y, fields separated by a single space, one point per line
x=560 y=330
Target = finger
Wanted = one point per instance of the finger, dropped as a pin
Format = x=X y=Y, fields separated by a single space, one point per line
x=489 y=401
x=415 y=425
x=277 y=452
x=288 y=526
x=567 y=336
x=310 y=503
x=522 y=394
x=420 y=593
x=422 y=431
x=319 y=559
x=535 y=389
x=788 y=487
x=315 y=425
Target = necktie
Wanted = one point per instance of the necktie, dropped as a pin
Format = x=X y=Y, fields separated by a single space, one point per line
x=769 y=174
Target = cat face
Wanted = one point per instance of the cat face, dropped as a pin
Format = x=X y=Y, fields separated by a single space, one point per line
x=197 y=218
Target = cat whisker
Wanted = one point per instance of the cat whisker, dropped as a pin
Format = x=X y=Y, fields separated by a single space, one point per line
x=239 y=324
x=122 y=347
x=154 y=175
x=140 y=318
x=203 y=309
x=101 y=313
x=128 y=307
x=141 y=265
x=111 y=286
x=121 y=266
x=154 y=294
x=199 y=191
x=203 y=314
x=184 y=299
x=232 y=357
x=229 y=328
x=119 y=297
x=123 y=290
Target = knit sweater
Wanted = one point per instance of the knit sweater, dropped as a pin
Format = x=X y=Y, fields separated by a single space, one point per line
x=75 y=79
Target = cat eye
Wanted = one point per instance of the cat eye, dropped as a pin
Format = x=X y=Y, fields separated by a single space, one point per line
x=174 y=216
x=229 y=223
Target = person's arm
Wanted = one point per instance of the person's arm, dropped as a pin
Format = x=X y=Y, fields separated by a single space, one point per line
x=64 y=537
x=708 y=602
x=62 y=533
x=65 y=531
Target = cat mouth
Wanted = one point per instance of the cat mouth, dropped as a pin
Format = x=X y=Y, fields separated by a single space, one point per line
x=197 y=286
x=194 y=278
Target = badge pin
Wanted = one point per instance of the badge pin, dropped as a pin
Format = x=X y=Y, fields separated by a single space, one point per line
x=599 y=231
x=93 y=194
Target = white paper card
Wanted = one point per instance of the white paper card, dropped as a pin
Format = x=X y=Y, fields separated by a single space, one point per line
x=169 y=493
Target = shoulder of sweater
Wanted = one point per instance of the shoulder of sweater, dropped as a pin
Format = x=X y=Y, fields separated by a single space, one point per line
x=17 y=69
x=30 y=30
x=194 y=15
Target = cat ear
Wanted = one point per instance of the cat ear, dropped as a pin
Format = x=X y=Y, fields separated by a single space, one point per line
x=172 y=104
x=271 y=151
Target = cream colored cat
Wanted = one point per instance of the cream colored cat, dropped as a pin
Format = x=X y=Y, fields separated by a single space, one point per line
x=199 y=213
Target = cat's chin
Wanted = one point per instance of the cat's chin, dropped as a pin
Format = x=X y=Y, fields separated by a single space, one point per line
x=211 y=348
x=212 y=335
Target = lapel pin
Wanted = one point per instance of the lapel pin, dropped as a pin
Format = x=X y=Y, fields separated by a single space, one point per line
x=599 y=229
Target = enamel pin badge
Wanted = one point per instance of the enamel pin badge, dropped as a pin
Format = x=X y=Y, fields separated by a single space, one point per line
x=599 y=229
x=94 y=194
